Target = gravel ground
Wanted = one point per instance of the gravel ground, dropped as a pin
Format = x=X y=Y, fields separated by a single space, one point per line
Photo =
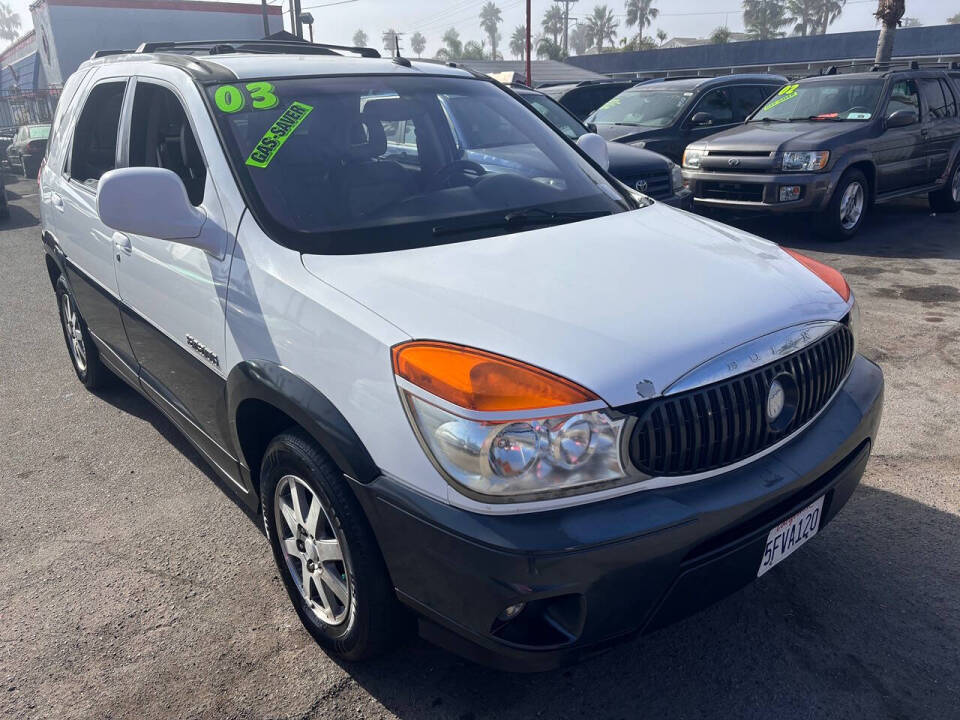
x=131 y=585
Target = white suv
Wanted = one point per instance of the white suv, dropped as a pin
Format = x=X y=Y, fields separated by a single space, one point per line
x=505 y=393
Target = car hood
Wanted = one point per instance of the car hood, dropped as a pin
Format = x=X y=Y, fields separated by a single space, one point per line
x=639 y=296
x=623 y=133
x=762 y=136
x=628 y=160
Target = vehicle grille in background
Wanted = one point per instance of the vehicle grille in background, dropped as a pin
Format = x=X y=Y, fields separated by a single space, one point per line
x=723 y=423
x=744 y=192
x=658 y=184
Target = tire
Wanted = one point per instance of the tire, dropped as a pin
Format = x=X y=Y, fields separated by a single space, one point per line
x=353 y=610
x=84 y=355
x=836 y=221
x=947 y=198
x=23 y=167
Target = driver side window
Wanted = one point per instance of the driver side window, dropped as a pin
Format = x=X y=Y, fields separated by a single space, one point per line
x=904 y=96
x=717 y=104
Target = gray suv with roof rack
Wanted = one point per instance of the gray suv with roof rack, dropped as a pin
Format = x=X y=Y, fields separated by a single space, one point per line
x=835 y=144
x=667 y=115
x=584 y=97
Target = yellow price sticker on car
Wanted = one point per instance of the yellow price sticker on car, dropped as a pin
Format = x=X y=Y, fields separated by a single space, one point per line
x=787 y=92
x=284 y=126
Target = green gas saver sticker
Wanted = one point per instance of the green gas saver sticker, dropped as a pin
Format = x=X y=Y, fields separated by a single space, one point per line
x=277 y=135
x=788 y=92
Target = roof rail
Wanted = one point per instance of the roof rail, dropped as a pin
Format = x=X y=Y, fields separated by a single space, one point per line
x=220 y=47
x=105 y=53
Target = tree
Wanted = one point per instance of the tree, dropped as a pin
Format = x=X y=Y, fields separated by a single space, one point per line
x=720 y=35
x=360 y=38
x=827 y=12
x=552 y=23
x=763 y=19
x=452 y=47
x=9 y=22
x=474 y=50
x=661 y=37
x=910 y=22
x=490 y=19
x=418 y=43
x=580 y=38
x=518 y=42
x=548 y=49
x=954 y=19
x=804 y=14
x=390 y=38
x=601 y=26
x=640 y=13
x=888 y=13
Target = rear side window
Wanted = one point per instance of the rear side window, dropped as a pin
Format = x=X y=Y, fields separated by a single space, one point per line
x=95 y=136
x=161 y=136
x=745 y=99
x=951 y=100
x=933 y=94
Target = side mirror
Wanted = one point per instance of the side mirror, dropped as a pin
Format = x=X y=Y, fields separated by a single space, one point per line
x=152 y=202
x=592 y=127
x=596 y=147
x=902 y=118
x=701 y=118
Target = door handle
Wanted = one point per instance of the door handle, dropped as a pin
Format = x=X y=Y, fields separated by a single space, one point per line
x=56 y=201
x=123 y=243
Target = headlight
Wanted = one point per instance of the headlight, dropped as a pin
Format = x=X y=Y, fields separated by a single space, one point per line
x=804 y=161
x=691 y=158
x=676 y=178
x=639 y=144
x=467 y=408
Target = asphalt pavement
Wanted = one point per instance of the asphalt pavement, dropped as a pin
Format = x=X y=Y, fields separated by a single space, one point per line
x=132 y=586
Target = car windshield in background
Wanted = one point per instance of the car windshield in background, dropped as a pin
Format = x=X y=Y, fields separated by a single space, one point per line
x=39 y=132
x=854 y=100
x=652 y=106
x=372 y=163
x=556 y=114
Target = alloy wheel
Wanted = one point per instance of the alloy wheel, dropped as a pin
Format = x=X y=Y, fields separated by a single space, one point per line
x=955 y=185
x=71 y=321
x=312 y=549
x=851 y=206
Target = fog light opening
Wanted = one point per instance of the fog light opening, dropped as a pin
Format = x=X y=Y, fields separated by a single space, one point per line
x=789 y=193
x=511 y=611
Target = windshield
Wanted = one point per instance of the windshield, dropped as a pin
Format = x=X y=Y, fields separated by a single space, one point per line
x=39 y=132
x=654 y=106
x=556 y=114
x=375 y=163
x=841 y=100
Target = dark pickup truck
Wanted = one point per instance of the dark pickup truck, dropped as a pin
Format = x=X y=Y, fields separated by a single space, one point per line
x=833 y=145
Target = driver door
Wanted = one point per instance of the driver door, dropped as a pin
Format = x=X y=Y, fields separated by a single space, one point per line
x=899 y=152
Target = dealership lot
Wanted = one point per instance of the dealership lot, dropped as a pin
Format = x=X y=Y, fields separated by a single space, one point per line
x=129 y=583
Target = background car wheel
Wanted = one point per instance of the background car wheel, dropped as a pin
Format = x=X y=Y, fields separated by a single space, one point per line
x=326 y=552
x=847 y=209
x=83 y=353
x=23 y=167
x=947 y=198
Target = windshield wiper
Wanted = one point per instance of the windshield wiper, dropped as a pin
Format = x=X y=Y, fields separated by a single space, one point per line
x=521 y=218
x=769 y=119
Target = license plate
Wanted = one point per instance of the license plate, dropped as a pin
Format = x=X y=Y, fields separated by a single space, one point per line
x=791 y=534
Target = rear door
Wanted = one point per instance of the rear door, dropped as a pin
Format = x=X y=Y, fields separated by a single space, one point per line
x=173 y=294
x=899 y=152
x=939 y=127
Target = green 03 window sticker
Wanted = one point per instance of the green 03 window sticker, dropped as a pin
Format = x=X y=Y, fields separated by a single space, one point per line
x=231 y=99
x=277 y=135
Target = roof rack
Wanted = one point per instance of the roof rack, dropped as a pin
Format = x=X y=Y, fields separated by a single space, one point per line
x=105 y=53
x=220 y=47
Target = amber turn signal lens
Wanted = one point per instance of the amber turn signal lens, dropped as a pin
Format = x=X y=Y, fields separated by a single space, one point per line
x=478 y=380
x=833 y=278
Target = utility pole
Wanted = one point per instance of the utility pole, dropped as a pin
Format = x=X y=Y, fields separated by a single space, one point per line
x=529 y=72
x=298 y=31
x=266 y=22
x=566 y=27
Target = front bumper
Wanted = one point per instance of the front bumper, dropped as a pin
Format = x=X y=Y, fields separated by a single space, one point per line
x=594 y=574
x=760 y=191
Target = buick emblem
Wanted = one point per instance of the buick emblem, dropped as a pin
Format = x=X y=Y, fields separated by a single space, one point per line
x=776 y=398
x=781 y=404
x=641 y=186
x=733 y=162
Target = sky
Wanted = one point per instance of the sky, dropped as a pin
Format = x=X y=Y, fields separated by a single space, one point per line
x=339 y=19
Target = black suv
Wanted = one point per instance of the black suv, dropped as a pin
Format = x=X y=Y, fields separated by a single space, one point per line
x=583 y=98
x=833 y=145
x=667 y=115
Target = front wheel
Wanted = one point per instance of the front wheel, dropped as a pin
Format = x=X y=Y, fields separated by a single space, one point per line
x=326 y=552
x=844 y=215
x=947 y=198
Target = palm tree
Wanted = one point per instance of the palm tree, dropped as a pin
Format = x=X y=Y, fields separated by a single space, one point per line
x=580 y=40
x=518 y=42
x=473 y=50
x=888 y=13
x=9 y=22
x=490 y=18
x=360 y=38
x=661 y=37
x=720 y=36
x=602 y=26
x=763 y=19
x=804 y=14
x=418 y=43
x=641 y=13
x=827 y=12
x=452 y=47
x=552 y=23
x=548 y=49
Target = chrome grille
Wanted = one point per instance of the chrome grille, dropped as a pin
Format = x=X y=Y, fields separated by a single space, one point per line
x=720 y=424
